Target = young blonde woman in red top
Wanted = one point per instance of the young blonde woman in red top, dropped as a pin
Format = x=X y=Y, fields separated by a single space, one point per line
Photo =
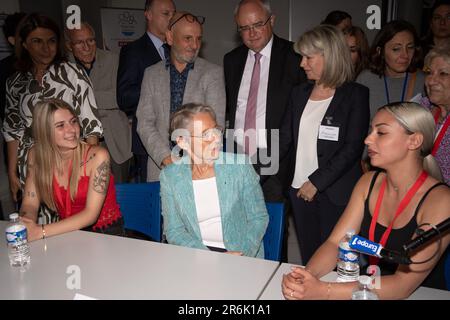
x=69 y=176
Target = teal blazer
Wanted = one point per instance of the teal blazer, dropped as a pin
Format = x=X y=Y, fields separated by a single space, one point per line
x=242 y=207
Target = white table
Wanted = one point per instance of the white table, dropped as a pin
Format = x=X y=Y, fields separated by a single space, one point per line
x=121 y=268
x=273 y=289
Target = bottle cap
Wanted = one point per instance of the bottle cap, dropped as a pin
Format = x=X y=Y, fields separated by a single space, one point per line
x=350 y=232
x=365 y=280
x=13 y=216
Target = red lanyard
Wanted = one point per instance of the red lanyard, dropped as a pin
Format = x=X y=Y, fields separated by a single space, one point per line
x=441 y=134
x=401 y=207
x=68 y=201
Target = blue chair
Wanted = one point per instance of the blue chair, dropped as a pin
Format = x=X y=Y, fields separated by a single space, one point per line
x=140 y=205
x=273 y=238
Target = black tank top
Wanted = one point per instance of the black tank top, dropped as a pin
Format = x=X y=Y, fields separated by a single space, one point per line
x=396 y=240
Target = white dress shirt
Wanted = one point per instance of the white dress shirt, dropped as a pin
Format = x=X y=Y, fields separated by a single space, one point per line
x=261 y=99
x=306 y=159
x=157 y=42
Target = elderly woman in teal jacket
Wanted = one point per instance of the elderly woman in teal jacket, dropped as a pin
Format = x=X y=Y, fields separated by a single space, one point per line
x=210 y=200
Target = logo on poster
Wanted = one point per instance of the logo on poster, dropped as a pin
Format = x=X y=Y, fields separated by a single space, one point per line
x=127 y=22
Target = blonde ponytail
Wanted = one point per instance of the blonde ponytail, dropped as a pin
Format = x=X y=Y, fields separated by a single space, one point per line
x=430 y=165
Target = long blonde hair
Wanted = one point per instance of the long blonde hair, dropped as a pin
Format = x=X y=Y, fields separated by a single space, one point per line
x=47 y=156
x=415 y=118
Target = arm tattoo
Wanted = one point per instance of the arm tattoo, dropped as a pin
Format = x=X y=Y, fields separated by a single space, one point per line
x=101 y=178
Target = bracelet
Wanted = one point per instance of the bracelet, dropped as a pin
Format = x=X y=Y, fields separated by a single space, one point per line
x=328 y=290
x=43 y=231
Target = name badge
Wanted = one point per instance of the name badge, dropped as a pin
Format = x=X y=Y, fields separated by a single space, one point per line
x=329 y=133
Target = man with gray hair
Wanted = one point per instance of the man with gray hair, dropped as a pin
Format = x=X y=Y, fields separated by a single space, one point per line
x=101 y=66
x=259 y=76
x=167 y=85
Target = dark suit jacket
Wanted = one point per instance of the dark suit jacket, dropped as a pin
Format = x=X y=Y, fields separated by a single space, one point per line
x=134 y=59
x=284 y=74
x=339 y=161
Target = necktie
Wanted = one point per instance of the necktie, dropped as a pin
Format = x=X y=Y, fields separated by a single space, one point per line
x=166 y=49
x=250 y=113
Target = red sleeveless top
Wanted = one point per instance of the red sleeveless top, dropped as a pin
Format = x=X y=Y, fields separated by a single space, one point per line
x=110 y=211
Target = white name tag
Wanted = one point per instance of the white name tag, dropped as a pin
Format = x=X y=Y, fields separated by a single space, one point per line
x=329 y=133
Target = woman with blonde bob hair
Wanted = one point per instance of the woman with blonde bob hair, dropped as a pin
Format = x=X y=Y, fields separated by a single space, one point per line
x=326 y=122
x=330 y=44
x=68 y=176
x=388 y=207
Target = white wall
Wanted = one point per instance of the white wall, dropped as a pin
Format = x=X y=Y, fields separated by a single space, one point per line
x=293 y=17
x=219 y=32
x=9 y=6
x=411 y=11
x=308 y=14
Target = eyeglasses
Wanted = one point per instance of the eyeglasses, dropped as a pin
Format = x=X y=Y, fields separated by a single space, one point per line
x=190 y=18
x=211 y=134
x=439 y=18
x=441 y=74
x=256 y=26
x=81 y=43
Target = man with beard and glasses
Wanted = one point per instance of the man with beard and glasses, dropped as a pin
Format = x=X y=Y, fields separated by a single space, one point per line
x=167 y=85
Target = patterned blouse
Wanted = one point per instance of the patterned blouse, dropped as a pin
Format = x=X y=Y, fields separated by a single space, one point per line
x=64 y=81
x=443 y=153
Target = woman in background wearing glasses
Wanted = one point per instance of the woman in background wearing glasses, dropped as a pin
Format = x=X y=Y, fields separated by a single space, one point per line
x=42 y=73
x=210 y=200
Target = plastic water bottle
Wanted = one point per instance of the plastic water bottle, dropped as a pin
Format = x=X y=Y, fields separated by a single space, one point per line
x=348 y=260
x=363 y=291
x=16 y=238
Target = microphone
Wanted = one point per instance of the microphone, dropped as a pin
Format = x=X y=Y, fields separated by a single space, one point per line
x=427 y=236
x=370 y=248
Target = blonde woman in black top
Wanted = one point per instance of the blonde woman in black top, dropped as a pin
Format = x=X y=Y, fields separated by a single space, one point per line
x=400 y=142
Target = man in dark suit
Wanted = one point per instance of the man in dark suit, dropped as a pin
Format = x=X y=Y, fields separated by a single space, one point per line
x=279 y=71
x=134 y=59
